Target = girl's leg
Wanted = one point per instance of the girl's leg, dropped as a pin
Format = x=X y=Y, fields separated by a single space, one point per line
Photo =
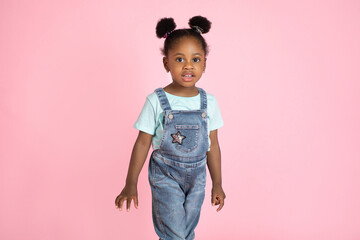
x=167 y=202
x=194 y=200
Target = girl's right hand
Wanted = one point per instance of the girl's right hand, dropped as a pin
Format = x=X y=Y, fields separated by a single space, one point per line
x=128 y=193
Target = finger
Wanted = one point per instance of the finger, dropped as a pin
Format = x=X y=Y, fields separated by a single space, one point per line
x=136 y=202
x=213 y=200
x=221 y=204
x=217 y=202
x=121 y=202
x=117 y=201
x=128 y=202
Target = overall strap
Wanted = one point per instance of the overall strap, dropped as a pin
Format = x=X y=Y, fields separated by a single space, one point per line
x=165 y=105
x=203 y=98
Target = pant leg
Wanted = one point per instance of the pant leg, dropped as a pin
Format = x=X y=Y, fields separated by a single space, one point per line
x=168 y=199
x=194 y=200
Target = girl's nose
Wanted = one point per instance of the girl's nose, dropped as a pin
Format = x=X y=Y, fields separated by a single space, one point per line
x=188 y=65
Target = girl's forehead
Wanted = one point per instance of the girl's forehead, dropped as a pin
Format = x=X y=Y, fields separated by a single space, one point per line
x=186 y=43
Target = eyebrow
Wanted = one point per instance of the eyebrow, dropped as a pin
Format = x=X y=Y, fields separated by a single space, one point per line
x=184 y=54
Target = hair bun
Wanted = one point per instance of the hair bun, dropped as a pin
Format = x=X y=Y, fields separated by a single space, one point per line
x=202 y=23
x=164 y=25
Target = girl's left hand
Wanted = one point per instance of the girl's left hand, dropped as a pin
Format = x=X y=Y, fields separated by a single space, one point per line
x=217 y=197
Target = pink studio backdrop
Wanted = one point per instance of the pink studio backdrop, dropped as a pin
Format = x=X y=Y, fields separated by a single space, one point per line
x=74 y=76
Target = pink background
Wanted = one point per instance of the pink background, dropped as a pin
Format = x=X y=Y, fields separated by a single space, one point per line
x=74 y=76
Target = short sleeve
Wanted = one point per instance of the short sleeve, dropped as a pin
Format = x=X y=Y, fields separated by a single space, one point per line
x=146 y=121
x=215 y=119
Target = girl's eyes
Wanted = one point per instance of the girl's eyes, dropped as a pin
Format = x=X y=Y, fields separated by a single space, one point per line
x=179 y=59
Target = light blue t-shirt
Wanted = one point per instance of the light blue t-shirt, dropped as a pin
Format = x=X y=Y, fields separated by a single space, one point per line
x=151 y=116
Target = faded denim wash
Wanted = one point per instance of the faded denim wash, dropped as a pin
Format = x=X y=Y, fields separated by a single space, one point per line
x=177 y=171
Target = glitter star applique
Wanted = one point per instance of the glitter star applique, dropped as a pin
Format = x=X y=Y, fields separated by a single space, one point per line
x=177 y=138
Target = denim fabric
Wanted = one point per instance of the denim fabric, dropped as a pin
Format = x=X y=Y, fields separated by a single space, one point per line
x=177 y=171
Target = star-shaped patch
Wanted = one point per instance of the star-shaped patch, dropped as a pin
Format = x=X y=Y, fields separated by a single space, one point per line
x=177 y=138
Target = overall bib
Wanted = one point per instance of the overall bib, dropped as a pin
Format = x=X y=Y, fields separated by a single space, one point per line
x=177 y=170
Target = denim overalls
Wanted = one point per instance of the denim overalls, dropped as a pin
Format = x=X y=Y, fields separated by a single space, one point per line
x=177 y=171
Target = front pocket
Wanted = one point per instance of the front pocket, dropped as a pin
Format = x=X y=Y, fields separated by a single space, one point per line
x=158 y=171
x=186 y=137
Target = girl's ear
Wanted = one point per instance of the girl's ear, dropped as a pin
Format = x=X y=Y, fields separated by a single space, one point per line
x=165 y=62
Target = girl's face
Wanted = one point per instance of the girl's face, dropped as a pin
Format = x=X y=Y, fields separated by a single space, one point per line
x=186 y=62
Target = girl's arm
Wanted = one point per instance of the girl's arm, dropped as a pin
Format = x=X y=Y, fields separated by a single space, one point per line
x=137 y=160
x=214 y=166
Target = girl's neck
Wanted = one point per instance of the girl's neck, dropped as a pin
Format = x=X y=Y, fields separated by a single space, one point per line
x=181 y=91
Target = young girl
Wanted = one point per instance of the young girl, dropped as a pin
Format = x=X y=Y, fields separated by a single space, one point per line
x=181 y=122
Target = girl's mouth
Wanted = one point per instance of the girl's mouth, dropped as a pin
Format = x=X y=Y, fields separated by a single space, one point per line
x=187 y=77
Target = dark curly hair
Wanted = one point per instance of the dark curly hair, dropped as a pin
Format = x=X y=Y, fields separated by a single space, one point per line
x=165 y=28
